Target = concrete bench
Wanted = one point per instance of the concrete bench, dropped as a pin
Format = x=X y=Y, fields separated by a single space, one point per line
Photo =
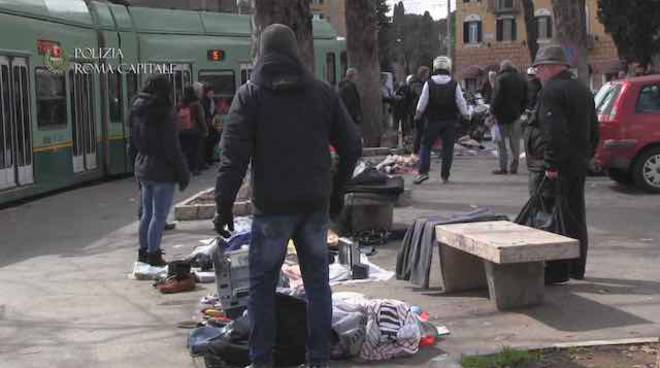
x=507 y=257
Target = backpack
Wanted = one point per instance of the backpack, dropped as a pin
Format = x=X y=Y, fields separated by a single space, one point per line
x=185 y=118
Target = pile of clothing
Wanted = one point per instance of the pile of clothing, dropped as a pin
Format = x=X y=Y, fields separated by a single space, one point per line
x=373 y=330
x=398 y=164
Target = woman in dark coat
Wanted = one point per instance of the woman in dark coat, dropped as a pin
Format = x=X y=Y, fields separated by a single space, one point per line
x=159 y=163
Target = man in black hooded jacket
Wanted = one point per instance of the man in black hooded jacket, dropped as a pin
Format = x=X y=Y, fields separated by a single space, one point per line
x=283 y=122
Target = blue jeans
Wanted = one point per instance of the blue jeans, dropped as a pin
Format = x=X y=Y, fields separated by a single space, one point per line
x=156 y=201
x=270 y=235
x=434 y=130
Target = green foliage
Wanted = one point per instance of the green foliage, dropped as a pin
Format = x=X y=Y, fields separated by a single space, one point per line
x=638 y=40
x=507 y=358
x=411 y=40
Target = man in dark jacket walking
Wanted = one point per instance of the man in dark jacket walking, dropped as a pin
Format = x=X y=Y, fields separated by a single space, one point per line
x=283 y=122
x=508 y=103
x=567 y=117
x=349 y=94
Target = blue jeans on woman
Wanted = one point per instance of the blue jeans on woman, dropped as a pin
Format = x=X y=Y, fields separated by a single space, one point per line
x=156 y=201
x=270 y=236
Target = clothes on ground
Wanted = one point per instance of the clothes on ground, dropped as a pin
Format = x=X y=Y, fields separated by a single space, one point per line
x=415 y=255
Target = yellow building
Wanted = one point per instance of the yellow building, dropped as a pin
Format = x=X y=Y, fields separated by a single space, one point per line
x=334 y=11
x=489 y=31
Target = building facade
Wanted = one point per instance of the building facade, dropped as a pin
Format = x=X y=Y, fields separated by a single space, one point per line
x=489 y=31
x=334 y=11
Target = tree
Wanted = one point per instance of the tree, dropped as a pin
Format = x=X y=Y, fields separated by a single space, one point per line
x=634 y=27
x=571 y=33
x=385 y=34
x=293 y=13
x=531 y=27
x=362 y=48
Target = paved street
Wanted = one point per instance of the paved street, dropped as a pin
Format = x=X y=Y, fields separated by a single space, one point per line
x=66 y=301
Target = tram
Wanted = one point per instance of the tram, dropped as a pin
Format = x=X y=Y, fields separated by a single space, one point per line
x=64 y=116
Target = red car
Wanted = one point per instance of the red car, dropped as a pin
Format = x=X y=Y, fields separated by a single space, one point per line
x=629 y=115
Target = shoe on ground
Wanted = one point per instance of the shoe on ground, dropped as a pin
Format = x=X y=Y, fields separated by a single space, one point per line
x=445 y=180
x=170 y=226
x=260 y=366
x=156 y=259
x=142 y=256
x=513 y=172
x=421 y=178
x=179 y=284
x=320 y=365
x=500 y=172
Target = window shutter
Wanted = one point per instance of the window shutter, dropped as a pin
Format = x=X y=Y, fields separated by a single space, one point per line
x=466 y=32
x=514 y=29
x=500 y=29
x=479 y=35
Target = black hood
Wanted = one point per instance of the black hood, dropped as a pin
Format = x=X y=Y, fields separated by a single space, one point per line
x=142 y=103
x=279 y=66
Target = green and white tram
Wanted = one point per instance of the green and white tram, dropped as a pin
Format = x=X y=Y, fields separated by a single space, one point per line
x=63 y=115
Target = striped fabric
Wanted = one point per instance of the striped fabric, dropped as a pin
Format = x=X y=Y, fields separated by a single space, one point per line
x=392 y=331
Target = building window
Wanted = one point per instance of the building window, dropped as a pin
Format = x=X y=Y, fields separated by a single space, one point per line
x=319 y=16
x=503 y=5
x=506 y=29
x=544 y=27
x=472 y=32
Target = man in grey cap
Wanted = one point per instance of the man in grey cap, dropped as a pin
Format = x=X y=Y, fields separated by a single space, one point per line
x=567 y=117
x=282 y=122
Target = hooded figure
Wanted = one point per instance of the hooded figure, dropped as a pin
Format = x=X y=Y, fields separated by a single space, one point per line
x=282 y=122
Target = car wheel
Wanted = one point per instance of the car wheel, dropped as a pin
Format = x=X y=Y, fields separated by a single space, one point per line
x=620 y=176
x=647 y=170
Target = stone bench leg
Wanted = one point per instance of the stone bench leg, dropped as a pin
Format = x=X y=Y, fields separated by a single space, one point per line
x=515 y=285
x=459 y=270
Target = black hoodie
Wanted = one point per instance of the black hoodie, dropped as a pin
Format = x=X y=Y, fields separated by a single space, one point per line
x=283 y=122
x=158 y=155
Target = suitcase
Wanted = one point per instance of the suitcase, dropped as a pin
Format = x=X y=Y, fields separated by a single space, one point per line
x=366 y=211
x=232 y=278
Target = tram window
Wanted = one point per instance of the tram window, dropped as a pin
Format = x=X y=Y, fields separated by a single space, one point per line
x=330 y=65
x=25 y=138
x=223 y=84
x=132 y=86
x=51 y=99
x=5 y=133
x=343 y=62
x=114 y=97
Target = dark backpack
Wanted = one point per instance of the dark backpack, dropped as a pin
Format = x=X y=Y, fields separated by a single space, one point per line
x=232 y=348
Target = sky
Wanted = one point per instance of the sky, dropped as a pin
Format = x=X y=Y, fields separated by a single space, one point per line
x=437 y=8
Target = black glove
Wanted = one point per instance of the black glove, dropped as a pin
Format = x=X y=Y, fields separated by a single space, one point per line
x=183 y=183
x=223 y=222
x=336 y=205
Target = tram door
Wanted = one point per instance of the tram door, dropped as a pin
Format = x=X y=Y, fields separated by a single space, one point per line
x=180 y=79
x=83 y=121
x=16 y=161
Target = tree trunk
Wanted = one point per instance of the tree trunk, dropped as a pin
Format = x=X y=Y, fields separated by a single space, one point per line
x=532 y=30
x=362 y=47
x=293 y=13
x=571 y=34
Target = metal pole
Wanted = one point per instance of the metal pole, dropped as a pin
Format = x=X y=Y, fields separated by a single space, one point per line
x=449 y=28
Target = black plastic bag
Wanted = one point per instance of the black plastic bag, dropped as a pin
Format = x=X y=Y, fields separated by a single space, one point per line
x=548 y=210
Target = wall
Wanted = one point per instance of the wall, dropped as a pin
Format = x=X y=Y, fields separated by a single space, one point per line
x=334 y=11
x=470 y=59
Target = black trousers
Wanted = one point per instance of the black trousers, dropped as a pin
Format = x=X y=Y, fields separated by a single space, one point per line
x=572 y=188
x=191 y=143
x=446 y=130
